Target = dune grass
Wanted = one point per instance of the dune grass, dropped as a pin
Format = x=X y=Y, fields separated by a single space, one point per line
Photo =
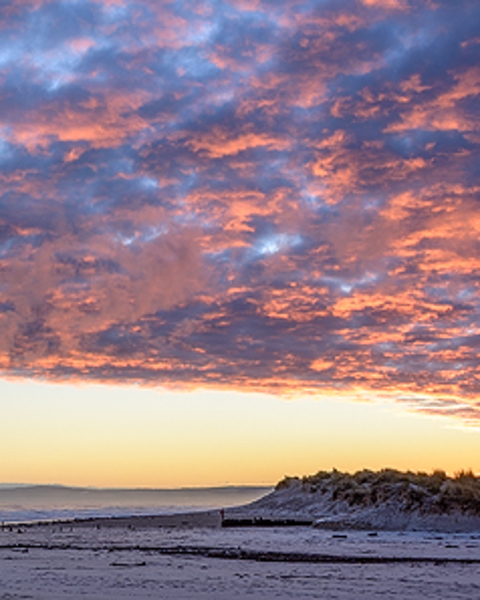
x=435 y=492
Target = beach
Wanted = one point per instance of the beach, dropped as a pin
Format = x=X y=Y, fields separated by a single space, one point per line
x=190 y=555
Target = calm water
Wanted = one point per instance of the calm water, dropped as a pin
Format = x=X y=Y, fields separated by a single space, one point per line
x=35 y=503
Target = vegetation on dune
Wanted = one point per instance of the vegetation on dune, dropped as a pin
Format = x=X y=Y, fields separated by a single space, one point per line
x=435 y=492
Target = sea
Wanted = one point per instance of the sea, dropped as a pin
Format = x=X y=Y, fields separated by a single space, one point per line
x=32 y=503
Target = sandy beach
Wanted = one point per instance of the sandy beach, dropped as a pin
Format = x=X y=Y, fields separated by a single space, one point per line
x=189 y=556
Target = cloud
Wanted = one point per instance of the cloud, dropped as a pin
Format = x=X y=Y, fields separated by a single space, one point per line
x=277 y=196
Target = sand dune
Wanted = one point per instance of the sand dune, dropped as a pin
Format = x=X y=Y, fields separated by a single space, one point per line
x=384 y=500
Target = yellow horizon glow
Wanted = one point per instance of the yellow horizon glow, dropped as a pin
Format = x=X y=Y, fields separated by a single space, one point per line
x=128 y=436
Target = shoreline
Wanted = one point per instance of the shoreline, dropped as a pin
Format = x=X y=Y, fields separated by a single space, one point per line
x=239 y=518
x=213 y=519
x=206 y=518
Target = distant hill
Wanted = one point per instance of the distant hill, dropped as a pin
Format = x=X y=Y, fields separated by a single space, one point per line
x=386 y=499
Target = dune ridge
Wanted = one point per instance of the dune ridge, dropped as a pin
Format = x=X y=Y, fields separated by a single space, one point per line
x=386 y=499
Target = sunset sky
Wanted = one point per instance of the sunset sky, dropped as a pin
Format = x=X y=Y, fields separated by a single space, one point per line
x=238 y=239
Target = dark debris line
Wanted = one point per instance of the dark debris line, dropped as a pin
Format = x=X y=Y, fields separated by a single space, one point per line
x=253 y=555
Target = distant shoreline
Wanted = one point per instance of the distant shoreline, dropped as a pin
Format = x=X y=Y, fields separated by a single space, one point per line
x=92 y=488
x=56 y=503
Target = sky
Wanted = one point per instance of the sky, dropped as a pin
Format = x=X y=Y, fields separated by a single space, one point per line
x=252 y=226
